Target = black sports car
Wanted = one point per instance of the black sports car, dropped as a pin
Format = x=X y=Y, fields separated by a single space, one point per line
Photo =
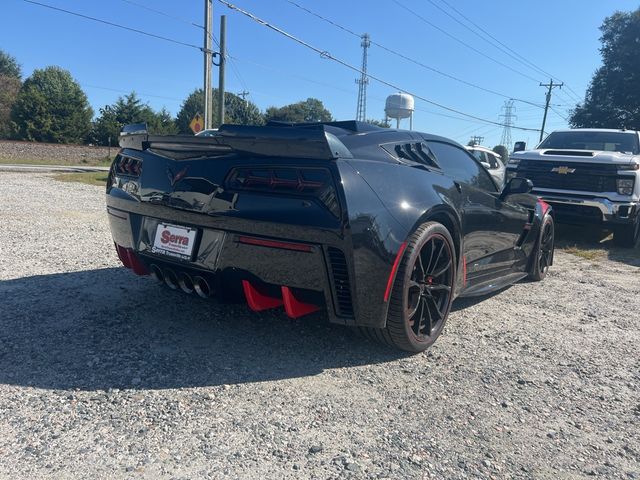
x=380 y=228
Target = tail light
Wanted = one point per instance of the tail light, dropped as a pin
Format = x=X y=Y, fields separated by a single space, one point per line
x=299 y=181
x=127 y=166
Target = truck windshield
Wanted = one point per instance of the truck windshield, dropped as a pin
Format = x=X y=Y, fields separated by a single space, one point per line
x=581 y=140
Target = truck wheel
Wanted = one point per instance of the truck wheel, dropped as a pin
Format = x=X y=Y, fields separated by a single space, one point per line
x=422 y=291
x=543 y=255
x=627 y=235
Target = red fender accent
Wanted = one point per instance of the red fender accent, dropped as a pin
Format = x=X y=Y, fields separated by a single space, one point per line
x=544 y=206
x=394 y=268
x=258 y=300
x=136 y=265
x=294 y=307
x=123 y=255
x=130 y=260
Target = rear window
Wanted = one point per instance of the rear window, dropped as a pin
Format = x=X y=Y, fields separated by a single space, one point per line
x=608 y=141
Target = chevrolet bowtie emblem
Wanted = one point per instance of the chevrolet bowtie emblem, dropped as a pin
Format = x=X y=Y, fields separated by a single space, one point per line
x=563 y=170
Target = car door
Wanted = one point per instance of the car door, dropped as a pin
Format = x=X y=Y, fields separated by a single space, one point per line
x=492 y=229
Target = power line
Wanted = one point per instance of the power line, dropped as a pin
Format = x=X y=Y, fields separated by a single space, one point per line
x=117 y=25
x=412 y=60
x=350 y=92
x=142 y=94
x=325 y=54
x=471 y=47
x=234 y=69
x=164 y=14
x=488 y=34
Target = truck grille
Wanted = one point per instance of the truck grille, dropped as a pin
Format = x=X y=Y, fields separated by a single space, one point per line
x=586 y=177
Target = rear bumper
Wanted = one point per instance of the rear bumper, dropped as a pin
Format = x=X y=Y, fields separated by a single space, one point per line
x=591 y=210
x=324 y=274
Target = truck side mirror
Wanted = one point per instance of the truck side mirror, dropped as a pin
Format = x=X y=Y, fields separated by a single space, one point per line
x=519 y=146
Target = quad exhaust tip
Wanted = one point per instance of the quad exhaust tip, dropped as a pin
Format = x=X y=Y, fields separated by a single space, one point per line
x=185 y=282
x=201 y=287
x=170 y=279
x=156 y=273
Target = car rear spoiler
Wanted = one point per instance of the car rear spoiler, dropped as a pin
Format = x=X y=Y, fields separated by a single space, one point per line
x=312 y=142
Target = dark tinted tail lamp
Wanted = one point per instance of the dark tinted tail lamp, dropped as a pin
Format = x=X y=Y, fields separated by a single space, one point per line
x=127 y=166
x=299 y=181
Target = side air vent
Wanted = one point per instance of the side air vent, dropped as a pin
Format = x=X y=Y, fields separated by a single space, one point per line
x=341 y=285
x=417 y=152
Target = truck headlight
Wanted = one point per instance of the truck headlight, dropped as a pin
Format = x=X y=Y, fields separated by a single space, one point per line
x=625 y=186
x=513 y=162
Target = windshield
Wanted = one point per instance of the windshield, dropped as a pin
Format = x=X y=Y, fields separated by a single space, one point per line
x=581 y=140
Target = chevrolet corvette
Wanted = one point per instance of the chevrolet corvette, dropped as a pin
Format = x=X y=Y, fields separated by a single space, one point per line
x=380 y=229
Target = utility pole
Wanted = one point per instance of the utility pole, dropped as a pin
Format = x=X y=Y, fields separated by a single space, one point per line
x=223 y=61
x=476 y=140
x=550 y=85
x=361 y=114
x=208 y=100
x=243 y=94
x=509 y=117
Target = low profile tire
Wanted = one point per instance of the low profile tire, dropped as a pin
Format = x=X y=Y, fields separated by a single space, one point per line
x=543 y=254
x=627 y=235
x=422 y=291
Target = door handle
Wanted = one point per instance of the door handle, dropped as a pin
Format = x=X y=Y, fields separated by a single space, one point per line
x=458 y=187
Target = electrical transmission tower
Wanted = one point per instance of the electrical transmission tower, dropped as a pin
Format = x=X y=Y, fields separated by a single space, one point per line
x=361 y=114
x=509 y=116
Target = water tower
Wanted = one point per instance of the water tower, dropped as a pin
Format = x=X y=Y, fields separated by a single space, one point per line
x=399 y=106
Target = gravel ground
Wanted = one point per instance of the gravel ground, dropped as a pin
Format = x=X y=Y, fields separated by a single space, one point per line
x=106 y=375
x=14 y=151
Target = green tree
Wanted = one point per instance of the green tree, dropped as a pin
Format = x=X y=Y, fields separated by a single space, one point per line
x=9 y=88
x=162 y=123
x=9 y=66
x=503 y=152
x=379 y=123
x=51 y=107
x=310 y=110
x=129 y=109
x=613 y=98
x=236 y=110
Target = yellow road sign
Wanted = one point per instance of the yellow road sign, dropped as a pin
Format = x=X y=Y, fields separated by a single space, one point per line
x=197 y=123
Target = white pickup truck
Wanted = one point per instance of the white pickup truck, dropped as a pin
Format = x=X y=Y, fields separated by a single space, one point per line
x=588 y=176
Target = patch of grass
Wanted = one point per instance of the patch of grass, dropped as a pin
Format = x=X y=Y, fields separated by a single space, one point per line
x=82 y=162
x=90 y=178
x=587 y=254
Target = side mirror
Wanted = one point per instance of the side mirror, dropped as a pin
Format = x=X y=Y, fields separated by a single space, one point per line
x=519 y=146
x=486 y=165
x=516 y=185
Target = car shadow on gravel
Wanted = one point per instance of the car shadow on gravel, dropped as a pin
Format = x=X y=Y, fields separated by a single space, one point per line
x=106 y=329
x=591 y=242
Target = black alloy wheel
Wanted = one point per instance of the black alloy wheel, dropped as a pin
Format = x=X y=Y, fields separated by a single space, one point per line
x=543 y=255
x=422 y=292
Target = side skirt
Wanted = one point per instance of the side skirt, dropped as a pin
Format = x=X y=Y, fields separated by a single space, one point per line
x=493 y=285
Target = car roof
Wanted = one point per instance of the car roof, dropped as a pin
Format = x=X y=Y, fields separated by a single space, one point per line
x=482 y=149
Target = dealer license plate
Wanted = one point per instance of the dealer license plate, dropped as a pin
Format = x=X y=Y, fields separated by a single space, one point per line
x=174 y=241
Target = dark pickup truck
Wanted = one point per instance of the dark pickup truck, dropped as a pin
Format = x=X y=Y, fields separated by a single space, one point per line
x=589 y=176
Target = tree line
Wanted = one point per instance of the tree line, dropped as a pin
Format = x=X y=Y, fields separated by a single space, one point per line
x=50 y=106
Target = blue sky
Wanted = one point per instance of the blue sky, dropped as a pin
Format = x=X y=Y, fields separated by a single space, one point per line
x=560 y=37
